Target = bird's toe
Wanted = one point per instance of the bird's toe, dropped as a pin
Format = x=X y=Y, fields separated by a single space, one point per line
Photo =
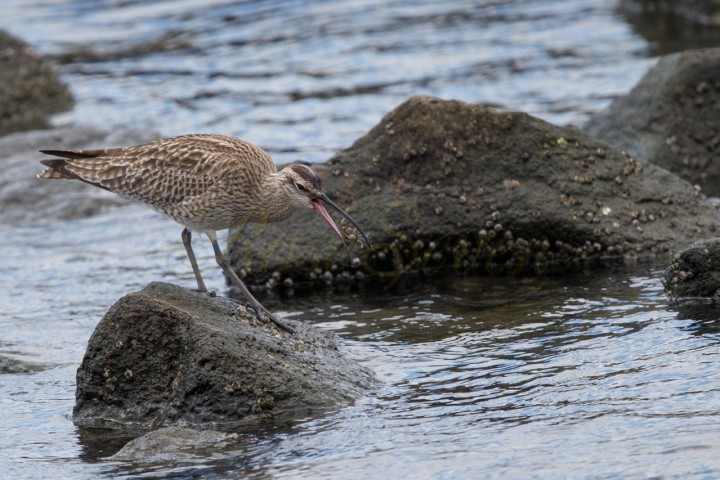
x=266 y=317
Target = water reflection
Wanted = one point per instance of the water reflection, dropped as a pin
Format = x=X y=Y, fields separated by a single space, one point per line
x=669 y=32
x=599 y=370
x=704 y=318
x=474 y=369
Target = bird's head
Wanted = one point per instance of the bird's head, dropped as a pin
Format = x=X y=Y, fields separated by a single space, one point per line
x=303 y=188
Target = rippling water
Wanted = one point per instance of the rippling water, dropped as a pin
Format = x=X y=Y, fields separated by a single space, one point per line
x=303 y=79
x=589 y=376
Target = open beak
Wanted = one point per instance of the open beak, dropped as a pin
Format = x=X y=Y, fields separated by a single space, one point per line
x=317 y=204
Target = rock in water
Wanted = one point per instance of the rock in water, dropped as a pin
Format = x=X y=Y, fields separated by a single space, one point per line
x=694 y=273
x=671 y=117
x=172 y=444
x=450 y=187
x=29 y=87
x=662 y=16
x=168 y=356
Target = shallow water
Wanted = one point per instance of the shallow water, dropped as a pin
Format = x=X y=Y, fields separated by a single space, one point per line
x=589 y=376
x=303 y=79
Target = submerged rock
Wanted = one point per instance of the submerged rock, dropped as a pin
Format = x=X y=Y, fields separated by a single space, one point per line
x=29 y=87
x=10 y=365
x=694 y=273
x=25 y=199
x=170 y=356
x=445 y=186
x=172 y=444
x=671 y=118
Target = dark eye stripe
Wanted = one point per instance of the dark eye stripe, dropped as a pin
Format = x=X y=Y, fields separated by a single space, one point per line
x=307 y=174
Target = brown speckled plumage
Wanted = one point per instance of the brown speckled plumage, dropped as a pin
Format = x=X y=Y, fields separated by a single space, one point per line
x=204 y=182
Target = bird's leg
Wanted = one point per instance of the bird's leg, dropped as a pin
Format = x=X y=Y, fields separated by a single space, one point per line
x=261 y=312
x=187 y=238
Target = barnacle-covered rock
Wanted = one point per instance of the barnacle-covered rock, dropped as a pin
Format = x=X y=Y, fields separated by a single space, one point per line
x=446 y=186
x=671 y=118
x=694 y=273
x=169 y=356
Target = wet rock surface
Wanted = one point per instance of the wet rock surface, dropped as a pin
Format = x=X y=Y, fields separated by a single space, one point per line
x=169 y=356
x=26 y=199
x=694 y=273
x=177 y=444
x=29 y=87
x=445 y=186
x=671 y=118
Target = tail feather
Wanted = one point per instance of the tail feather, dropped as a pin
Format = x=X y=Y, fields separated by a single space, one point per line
x=50 y=174
x=57 y=168
x=70 y=153
x=54 y=163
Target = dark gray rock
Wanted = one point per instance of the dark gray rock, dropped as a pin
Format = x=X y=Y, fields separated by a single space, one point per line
x=671 y=118
x=699 y=12
x=694 y=273
x=445 y=186
x=176 y=444
x=29 y=87
x=25 y=199
x=170 y=356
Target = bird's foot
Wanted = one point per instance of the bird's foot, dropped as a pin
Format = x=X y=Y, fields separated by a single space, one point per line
x=261 y=312
x=266 y=317
x=235 y=301
x=239 y=302
x=210 y=293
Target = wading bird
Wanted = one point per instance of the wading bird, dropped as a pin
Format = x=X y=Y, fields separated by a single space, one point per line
x=206 y=183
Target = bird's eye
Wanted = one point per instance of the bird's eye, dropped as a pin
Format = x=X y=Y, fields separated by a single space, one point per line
x=301 y=187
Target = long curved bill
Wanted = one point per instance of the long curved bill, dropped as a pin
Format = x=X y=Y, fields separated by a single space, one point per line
x=320 y=209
